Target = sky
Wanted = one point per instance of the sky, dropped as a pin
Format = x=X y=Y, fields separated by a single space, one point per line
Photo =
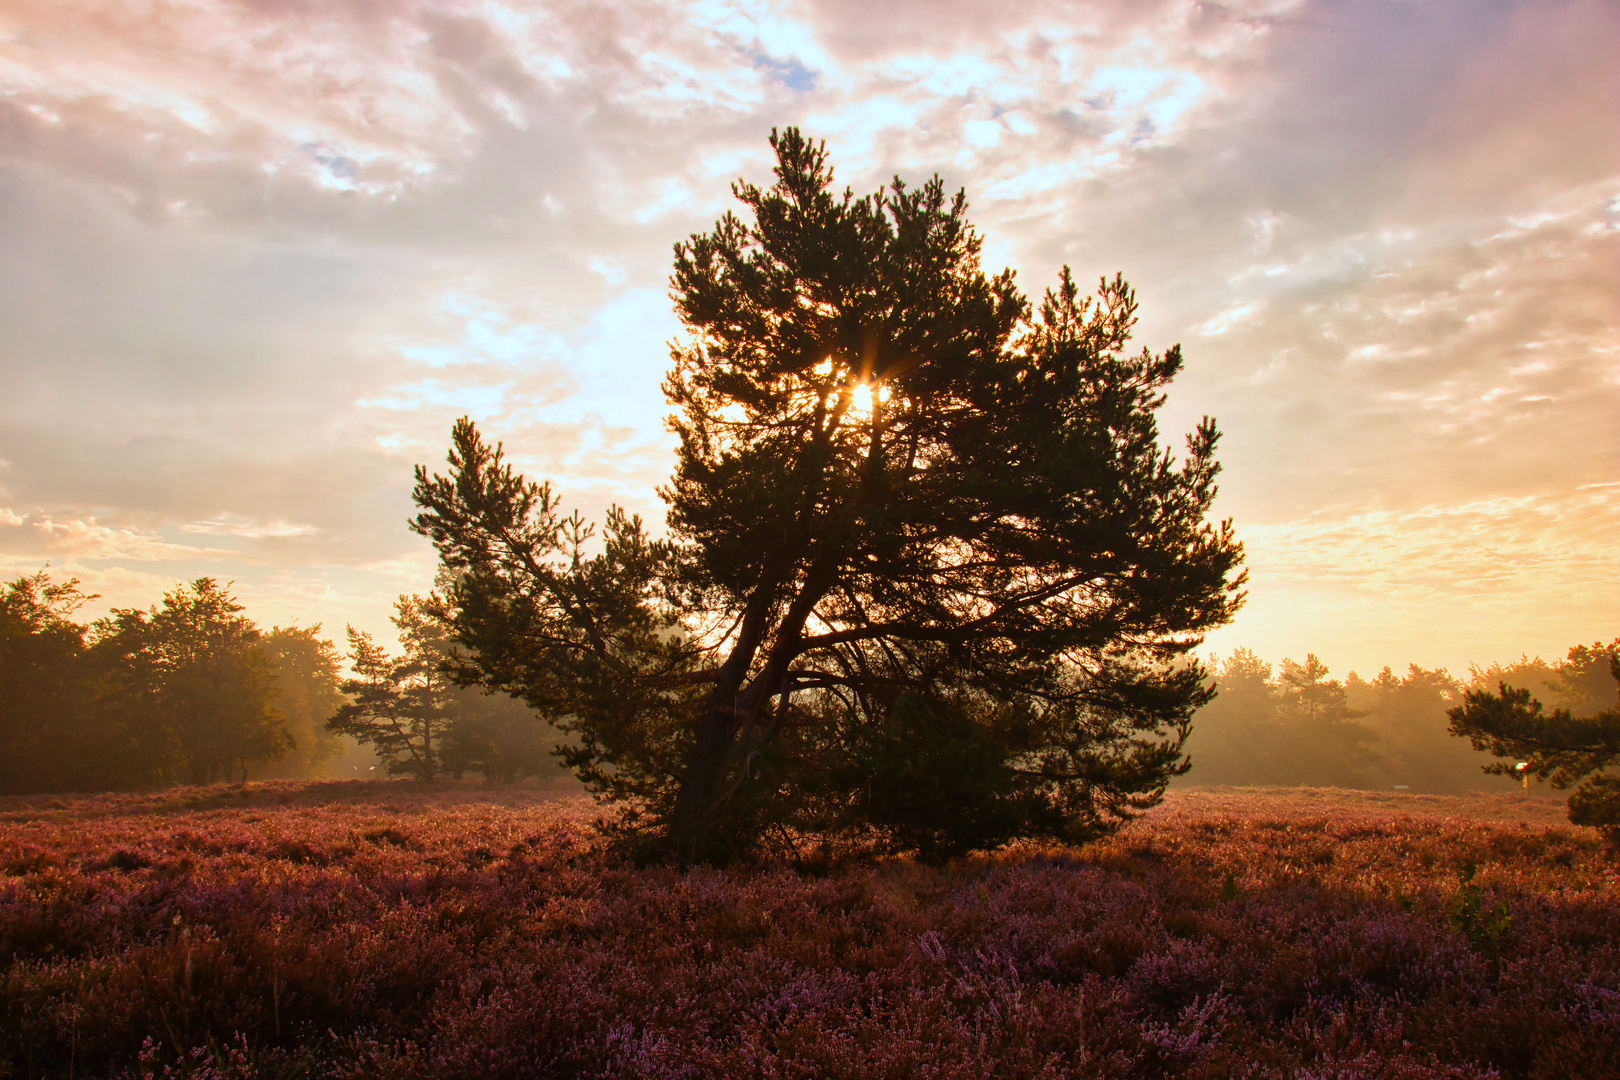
x=257 y=255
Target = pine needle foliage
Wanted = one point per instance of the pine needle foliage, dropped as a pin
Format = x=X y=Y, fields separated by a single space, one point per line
x=931 y=580
x=1558 y=747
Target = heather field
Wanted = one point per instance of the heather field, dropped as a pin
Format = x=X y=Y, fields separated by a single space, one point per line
x=355 y=929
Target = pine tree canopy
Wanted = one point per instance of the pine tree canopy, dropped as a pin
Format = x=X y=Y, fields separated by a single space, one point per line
x=930 y=580
x=1556 y=746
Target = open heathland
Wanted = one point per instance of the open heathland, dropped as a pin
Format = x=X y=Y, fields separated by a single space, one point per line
x=393 y=929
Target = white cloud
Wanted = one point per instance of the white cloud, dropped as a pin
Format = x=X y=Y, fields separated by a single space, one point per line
x=89 y=539
x=1219 y=324
x=228 y=525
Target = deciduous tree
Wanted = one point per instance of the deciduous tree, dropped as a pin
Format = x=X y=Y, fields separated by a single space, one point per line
x=189 y=689
x=306 y=669
x=499 y=736
x=47 y=742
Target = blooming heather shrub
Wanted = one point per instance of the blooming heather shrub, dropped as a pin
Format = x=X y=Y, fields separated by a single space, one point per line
x=387 y=930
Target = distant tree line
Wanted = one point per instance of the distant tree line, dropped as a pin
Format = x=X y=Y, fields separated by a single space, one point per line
x=1295 y=726
x=192 y=691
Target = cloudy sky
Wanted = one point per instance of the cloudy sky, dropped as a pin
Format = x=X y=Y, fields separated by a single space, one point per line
x=256 y=255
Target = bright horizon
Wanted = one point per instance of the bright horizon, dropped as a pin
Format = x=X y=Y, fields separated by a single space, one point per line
x=256 y=257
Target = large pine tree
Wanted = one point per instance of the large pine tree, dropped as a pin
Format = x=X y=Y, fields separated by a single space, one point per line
x=930 y=580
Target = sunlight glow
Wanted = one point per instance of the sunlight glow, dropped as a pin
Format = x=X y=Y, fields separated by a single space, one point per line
x=863 y=397
x=861 y=401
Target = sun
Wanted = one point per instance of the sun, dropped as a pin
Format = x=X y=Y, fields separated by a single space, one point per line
x=860 y=402
x=864 y=396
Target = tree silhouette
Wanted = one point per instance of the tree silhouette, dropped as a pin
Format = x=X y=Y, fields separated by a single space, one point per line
x=496 y=734
x=188 y=688
x=1296 y=728
x=401 y=705
x=305 y=669
x=918 y=539
x=47 y=742
x=1557 y=746
x=1319 y=728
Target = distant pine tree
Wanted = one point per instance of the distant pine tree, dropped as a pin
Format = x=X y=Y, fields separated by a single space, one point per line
x=401 y=706
x=1296 y=727
x=1558 y=746
x=1415 y=749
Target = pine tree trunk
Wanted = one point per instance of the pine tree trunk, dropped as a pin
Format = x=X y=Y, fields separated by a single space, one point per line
x=733 y=705
x=694 y=801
